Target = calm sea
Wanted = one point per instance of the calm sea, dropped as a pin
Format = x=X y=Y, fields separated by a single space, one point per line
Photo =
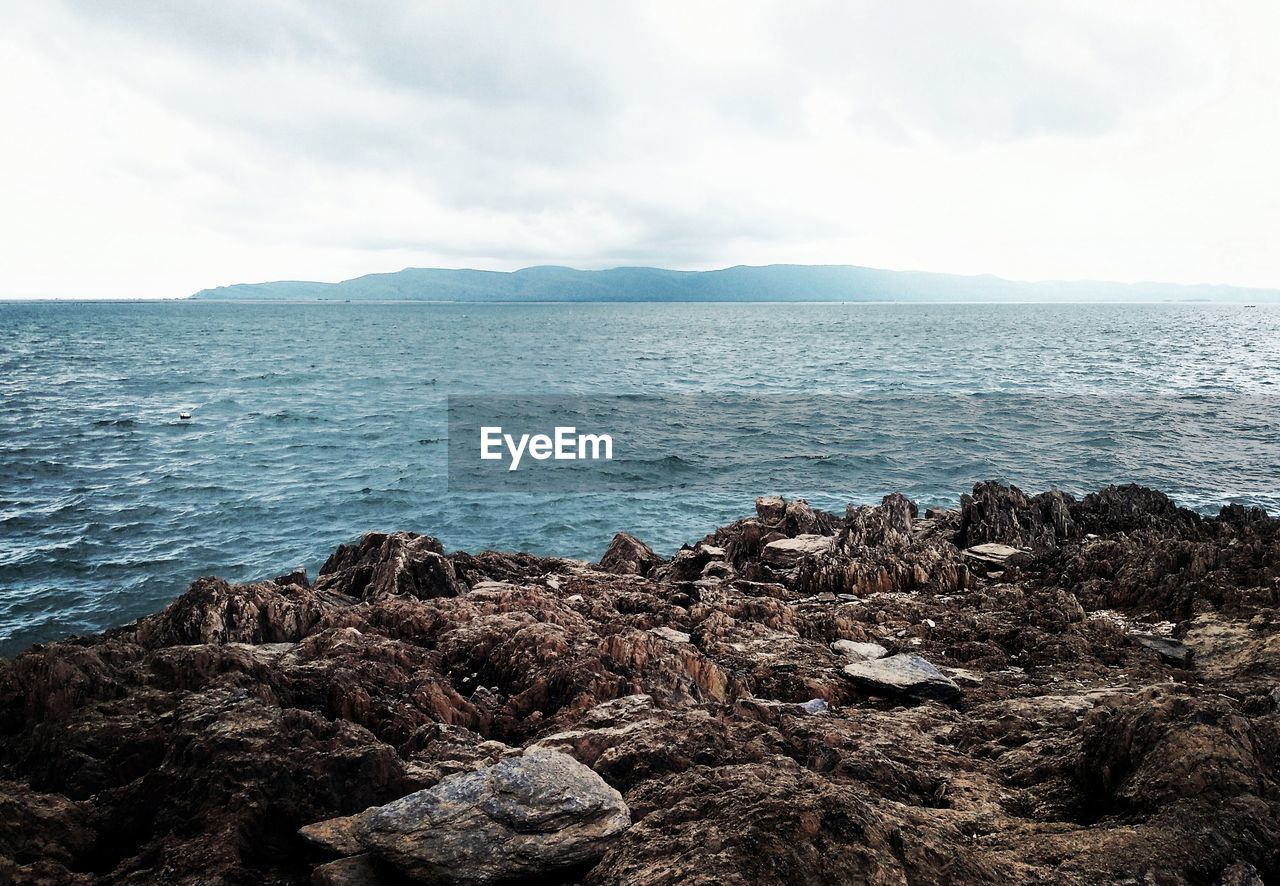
x=314 y=423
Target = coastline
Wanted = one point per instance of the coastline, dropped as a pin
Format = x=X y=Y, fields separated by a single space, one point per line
x=1026 y=688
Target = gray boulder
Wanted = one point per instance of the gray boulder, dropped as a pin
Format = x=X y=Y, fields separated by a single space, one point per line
x=521 y=818
x=903 y=674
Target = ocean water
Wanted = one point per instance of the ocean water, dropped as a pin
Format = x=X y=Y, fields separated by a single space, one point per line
x=314 y=423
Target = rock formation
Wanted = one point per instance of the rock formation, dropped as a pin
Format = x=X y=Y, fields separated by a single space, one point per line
x=863 y=703
x=524 y=816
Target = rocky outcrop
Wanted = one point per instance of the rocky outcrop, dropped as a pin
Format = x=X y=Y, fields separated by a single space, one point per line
x=1008 y=516
x=885 y=548
x=1102 y=705
x=400 y=564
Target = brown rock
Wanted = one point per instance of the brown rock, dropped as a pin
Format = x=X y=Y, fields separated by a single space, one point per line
x=191 y=747
x=628 y=555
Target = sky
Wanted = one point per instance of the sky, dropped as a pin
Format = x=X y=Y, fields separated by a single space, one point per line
x=155 y=149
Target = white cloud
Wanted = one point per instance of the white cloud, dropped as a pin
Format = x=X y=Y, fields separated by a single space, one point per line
x=155 y=149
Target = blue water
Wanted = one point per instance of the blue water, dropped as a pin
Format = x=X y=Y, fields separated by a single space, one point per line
x=314 y=423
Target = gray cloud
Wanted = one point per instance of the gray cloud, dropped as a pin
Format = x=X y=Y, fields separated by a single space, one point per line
x=586 y=133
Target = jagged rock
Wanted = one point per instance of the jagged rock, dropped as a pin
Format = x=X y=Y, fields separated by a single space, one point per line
x=861 y=651
x=1132 y=507
x=399 y=564
x=46 y=826
x=628 y=555
x=743 y=542
x=213 y=611
x=768 y=710
x=297 y=577
x=1147 y=750
x=771 y=509
x=1006 y=515
x=800 y=519
x=523 y=817
x=876 y=550
x=903 y=674
x=690 y=564
x=191 y=746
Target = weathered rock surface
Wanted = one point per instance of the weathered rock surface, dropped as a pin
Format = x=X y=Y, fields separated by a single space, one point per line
x=902 y=674
x=993 y=554
x=1170 y=650
x=860 y=651
x=707 y=690
x=628 y=555
x=786 y=552
x=525 y=816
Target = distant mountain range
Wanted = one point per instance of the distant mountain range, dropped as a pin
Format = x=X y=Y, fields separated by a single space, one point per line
x=770 y=283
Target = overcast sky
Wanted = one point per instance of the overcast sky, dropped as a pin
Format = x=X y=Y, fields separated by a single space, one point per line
x=155 y=148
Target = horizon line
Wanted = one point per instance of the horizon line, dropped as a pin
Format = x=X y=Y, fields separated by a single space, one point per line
x=782 y=264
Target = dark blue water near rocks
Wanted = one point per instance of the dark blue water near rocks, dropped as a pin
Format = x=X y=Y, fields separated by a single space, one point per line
x=313 y=423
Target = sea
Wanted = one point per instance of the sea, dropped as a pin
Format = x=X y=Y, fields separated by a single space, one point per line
x=313 y=423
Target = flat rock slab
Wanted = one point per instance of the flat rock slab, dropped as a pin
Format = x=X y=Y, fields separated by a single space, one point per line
x=963 y=676
x=790 y=551
x=670 y=634
x=903 y=674
x=993 y=554
x=860 y=651
x=1171 y=651
x=522 y=818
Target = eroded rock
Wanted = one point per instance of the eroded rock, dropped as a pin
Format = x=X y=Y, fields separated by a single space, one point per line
x=526 y=816
x=191 y=746
x=628 y=555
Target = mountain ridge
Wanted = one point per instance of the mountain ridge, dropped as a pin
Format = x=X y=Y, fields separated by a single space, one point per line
x=739 y=283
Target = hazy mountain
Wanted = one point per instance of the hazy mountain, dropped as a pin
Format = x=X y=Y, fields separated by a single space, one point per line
x=741 y=283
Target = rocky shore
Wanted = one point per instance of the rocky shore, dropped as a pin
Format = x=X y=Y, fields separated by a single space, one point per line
x=1025 y=689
